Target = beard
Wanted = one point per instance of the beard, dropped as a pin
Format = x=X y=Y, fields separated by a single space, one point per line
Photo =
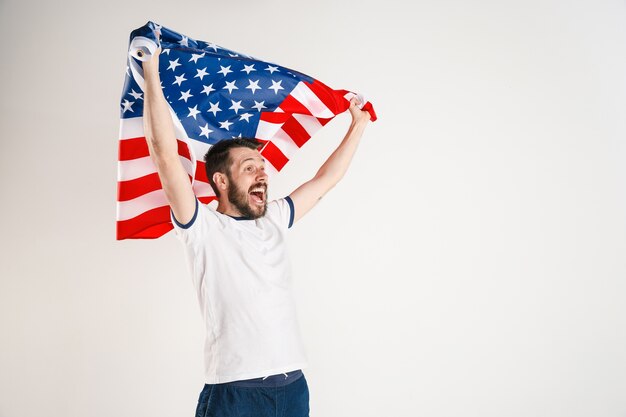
x=239 y=198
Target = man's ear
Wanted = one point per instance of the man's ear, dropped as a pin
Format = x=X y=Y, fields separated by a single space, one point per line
x=220 y=180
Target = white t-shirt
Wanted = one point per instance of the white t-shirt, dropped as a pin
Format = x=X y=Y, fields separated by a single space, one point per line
x=242 y=276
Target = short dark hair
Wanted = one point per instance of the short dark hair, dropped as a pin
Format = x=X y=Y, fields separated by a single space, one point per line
x=218 y=158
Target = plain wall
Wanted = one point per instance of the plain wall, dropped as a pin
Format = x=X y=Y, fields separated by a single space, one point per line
x=471 y=262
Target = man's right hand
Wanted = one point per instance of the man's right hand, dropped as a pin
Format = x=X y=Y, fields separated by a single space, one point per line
x=152 y=64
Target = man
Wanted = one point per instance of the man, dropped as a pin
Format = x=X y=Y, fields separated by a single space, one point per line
x=236 y=252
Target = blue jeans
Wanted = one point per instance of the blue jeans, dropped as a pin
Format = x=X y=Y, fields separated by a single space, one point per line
x=273 y=396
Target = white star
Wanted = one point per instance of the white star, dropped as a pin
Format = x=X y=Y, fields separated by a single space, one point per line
x=201 y=73
x=259 y=105
x=195 y=57
x=127 y=106
x=205 y=130
x=212 y=45
x=271 y=69
x=254 y=85
x=225 y=125
x=248 y=68
x=214 y=108
x=208 y=89
x=165 y=51
x=173 y=64
x=184 y=41
x=276 y=86
x=236 y=106
x=230 y=86
x=224 y=70
x=180 y=79
x=245 y=117
x=233 y=55
x=185 y=95
x=193 y=112
x=136 y=96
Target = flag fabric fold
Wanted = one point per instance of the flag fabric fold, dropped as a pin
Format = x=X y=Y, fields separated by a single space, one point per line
x=214 y=94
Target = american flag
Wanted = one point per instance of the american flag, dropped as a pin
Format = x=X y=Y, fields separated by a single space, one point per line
x=214 y=94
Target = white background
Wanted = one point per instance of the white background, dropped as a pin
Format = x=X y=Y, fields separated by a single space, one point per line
x=471 y=262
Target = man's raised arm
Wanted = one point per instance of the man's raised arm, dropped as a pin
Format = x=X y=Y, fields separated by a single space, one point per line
x=309 y=193
x=159 y=131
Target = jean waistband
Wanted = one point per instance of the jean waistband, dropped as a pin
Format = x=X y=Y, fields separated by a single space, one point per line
x=277 y=380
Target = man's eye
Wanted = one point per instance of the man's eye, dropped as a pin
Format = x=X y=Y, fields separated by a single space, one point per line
x=248 y=168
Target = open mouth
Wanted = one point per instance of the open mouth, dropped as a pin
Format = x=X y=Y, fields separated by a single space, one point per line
x=257 y=195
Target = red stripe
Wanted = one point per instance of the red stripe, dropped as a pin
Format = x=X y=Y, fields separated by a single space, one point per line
x=296 y=132
x=148 y=225
x=154 y=232
x=133 y=149
x=127 y=190
x=138 y=148
x=207 y=199
x=275 y=117
x=291 y=105
x=274 y=156
x=183 y=149
x=333 y=99
x=201 y=171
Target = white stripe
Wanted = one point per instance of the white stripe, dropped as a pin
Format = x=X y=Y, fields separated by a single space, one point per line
x=203 y=189
x=283 y=142
x=137 y=168
x=131 y=128
x=198 y=148
x=348 y=96
x=309 y=123
x=133 y=208
x=304 y=95
x=266 y=130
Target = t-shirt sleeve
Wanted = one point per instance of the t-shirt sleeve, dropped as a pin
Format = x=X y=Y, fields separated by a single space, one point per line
x=282 y=211
x=195 y=228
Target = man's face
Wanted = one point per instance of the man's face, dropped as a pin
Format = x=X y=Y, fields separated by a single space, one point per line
x=247 y=189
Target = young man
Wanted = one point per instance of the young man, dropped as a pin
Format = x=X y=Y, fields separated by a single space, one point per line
x=240 y=269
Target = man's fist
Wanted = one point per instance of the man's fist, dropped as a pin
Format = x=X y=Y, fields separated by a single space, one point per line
x=358 y=115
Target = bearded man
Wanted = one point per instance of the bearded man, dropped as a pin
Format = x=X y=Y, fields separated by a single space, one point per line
x=253 y=351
